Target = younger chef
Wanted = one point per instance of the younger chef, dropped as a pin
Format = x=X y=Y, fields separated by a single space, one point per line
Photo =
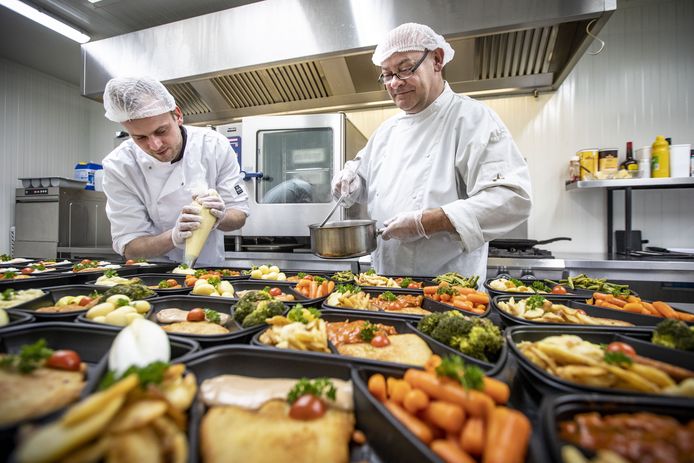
x=151 y=178
x=443 y=176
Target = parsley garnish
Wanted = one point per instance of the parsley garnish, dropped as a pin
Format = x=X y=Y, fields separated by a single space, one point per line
x=297 y=314
x=8 y=294
x=534 y=301
x=469 y=376
x=516 y=283
x=619 y=359
x=30 y=357
x=371 y=271
x=301 y=274
x=9 y=275
x=348 y=289
x=388 y=296
x=214 y=281
x=110 y=273
x=368 y=331
x=447 y=290
x=540 y=286
x=405 y=282
x=318 y=387
x=183 y=266
x=212 y=316
x=151 y=374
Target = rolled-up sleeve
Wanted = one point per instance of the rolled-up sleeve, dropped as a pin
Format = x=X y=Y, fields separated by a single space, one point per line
x=497 y=186
x=126 y=212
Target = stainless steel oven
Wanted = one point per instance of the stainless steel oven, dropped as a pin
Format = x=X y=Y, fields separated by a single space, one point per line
x=288 y=163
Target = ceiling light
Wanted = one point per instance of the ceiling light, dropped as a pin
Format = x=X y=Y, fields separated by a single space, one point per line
x=94 y=1
x=45 y=20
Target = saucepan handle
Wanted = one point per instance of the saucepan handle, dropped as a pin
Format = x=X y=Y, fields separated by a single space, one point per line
x=380 y=231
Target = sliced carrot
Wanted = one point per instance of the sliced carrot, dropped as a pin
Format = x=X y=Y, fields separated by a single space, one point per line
x=377 y=387
x=478 y=298
x=447 y=416
x=601 y=296
x=430 y=289
x=634 y=307
x=415 y=400
x=323 y=289
x=665 y=310
x=313 y=289
x=465 y=305
x=418 y=427
x=649 y=308
x=616 y=301
x=465 y=291
x=686 y=317
x=449 y=452
x=497 y=390
x=331 y=286
x=508 y=433
x=472 y=437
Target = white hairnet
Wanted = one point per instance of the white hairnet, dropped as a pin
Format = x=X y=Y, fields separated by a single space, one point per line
x=411 y=37
x=128 y=98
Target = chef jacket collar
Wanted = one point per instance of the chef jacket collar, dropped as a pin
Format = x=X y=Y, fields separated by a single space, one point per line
x=439 y=102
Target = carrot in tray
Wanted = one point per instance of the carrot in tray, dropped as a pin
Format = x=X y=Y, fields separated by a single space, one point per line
x=430 y=290
x=665 y=310
x=418 y=427
x=449 y=452
x=686 y=317
x=415 y=400
x=616 y=301
x=633 y=307
x=497 y=390
x=478 y=298
x=377 y=387
x=447 y=416
x=472 y=437
x=508 y=434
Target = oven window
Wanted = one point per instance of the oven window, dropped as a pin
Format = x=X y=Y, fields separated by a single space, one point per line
x=296 y=165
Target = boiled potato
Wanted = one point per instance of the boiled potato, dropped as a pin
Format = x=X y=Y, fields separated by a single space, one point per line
x=100 y=310
x=119 y=317
x=225 y=287
x=141 y=306
x=205 y=289
x=99 y=319
x=272 y=275
x=227 y=294
x=264 y=269
x=65 y=300
x=274 y=269
x=132 y=316
x=118 y=297
x=281 y=276
x=257 y=274
x=4 y=318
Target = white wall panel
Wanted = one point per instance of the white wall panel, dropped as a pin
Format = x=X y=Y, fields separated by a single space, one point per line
x=45 y=128
x=640 y=86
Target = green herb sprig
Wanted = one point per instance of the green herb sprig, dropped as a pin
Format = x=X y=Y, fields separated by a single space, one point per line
x=30 y=357
x=150 y=374
x=469 y=376
x=319 y=387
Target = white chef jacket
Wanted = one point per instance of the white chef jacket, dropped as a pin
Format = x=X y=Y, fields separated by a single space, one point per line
x=455 y=154
x=145 y=196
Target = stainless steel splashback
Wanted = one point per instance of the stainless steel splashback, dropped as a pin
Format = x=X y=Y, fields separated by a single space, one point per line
x=289 y=56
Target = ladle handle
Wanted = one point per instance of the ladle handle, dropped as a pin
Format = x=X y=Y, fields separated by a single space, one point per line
x=332 y=211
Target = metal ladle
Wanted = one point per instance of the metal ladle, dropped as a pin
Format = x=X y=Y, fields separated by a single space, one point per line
x=332 y=211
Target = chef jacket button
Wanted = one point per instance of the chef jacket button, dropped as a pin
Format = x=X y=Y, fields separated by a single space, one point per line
x=149 y=167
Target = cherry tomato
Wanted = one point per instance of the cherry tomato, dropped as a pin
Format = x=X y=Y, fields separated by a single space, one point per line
x=172 y=283
x=86 y=261
x=27 y=270
x=129 y=262
x=558 y=289
x=625 y=349
x=64 y=360
x=196 y=315
x=307 y=407
x=274 y=292
x=413 y=286
x=86 y=300
x=394 y=306
x=380 y=340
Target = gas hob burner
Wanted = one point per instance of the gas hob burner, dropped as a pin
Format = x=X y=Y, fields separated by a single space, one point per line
x=530 y=253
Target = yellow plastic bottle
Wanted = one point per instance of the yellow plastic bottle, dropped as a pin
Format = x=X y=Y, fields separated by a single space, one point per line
x=660 y=158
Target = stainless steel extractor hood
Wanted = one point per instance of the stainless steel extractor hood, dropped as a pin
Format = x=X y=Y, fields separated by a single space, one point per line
x=289 y=56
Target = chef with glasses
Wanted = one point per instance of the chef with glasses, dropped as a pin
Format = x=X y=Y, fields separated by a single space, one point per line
x=444 y=176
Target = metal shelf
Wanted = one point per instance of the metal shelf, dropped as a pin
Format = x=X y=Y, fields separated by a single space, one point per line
x=627 y=185
x=635 y=183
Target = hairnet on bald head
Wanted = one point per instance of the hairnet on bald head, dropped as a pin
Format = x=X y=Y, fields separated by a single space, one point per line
x=128 y=98
x=411 y=37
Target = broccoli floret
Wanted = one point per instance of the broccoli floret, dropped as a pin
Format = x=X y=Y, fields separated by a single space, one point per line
x=429 y=322
x=451 y=326
x=483 y=341
x=263 y=311
x=248 y=302
x=674 y=334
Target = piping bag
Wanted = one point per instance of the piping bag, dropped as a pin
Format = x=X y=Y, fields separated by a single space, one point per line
x=195 y=180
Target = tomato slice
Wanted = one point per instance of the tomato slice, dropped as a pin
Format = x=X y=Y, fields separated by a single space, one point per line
x=307 y=407
x=624 y=348
x=558 y=289
x=27 y=270
x=274 y=292
x=380 y=340
x=64 y=360
x=196 y=315
x=86 y=300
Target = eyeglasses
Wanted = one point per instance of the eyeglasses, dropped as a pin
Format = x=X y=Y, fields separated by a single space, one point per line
x=405 y=73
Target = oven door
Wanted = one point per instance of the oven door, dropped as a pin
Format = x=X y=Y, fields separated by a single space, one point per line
x=289 y=162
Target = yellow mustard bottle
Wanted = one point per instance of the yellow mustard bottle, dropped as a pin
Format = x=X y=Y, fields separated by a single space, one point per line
x=660 y=158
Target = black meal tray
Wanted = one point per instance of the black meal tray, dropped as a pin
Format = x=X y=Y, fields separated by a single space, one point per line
x=393 y=441
x=266 y=363
x=92 y=343
x=545 y=383
x=557 y=409
x=238 y=335
x=644 y=338
x=286 y=287
x=572 y=293
x=402 y=327
x=85 y=276
x=637 y=319
x=41 y=280
x=16 y=318
x=155 y=267
x=426 y=281
x=53 y=294
x=154 y=279
x=21 y=264
x=649 y=320
x=427 y=304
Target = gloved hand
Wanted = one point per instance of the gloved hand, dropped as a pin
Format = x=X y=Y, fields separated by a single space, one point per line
x=188 y=220
x=346 y=182
x=211 y=200
x=406 y=227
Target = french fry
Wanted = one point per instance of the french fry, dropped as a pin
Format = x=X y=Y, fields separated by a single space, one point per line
x=137 y=414
x=140 y=445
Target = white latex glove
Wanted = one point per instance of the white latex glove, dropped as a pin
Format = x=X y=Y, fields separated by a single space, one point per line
x=346 y=182
x=406 y=226
x=188 y=220
x=211 y=200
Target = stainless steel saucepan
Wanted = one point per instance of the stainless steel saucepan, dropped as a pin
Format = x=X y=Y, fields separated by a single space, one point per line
x=343 y=239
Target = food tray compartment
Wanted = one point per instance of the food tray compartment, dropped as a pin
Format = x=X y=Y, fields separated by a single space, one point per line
x=572 y=293
x=23 y=263
x=426 y=281
x=427 y=304
x=392 y=440
x=85 y=276
x=242 y=276
x=267 y=363
x=53 y=294
x=17 y=318
x=92 y=343
x=287 y=288
x=152 y=267
x=557 y=409
x=651 y=320
x=41 y=280
x=402 y=327
x=237 y=335
x=593 y=311
x=643 y=338
x=544 y=382
x=154 y=279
